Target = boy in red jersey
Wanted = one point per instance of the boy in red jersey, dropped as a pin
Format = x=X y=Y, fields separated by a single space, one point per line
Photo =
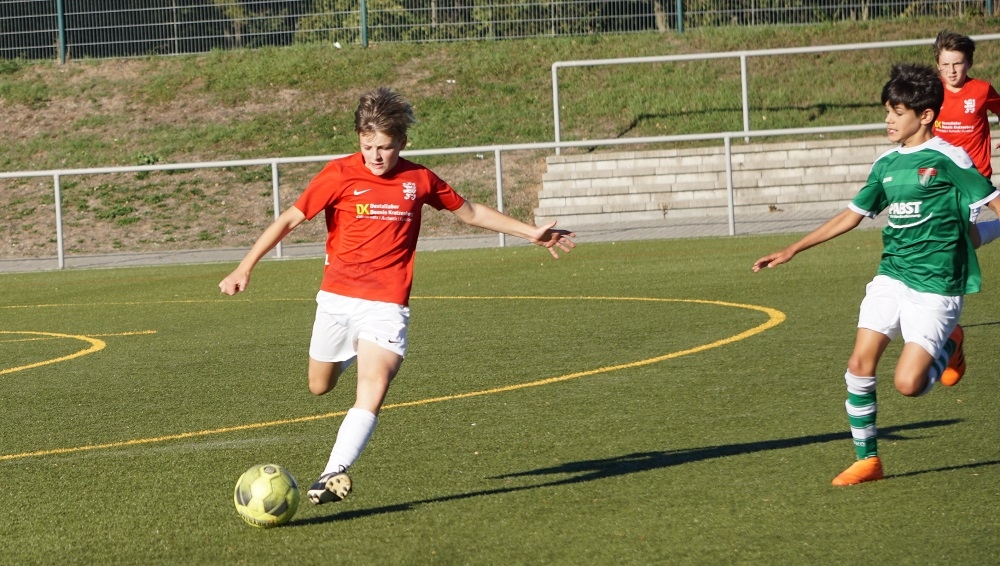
x=372 y=200
x=964 y=120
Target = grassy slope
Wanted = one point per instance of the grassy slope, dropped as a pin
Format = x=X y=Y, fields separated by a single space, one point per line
x=299 y=101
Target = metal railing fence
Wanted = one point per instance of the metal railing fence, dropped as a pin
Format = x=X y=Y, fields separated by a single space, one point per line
x=743 y=56
x=497 y=151
x=77 y=29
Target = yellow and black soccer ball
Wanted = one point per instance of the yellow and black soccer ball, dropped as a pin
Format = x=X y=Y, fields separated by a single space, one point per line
x=266 y=496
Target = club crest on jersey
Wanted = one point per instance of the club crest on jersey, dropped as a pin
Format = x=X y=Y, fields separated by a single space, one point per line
x=409 y=191
x=926 y=175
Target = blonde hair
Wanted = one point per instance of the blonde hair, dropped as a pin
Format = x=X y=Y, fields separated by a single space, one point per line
x=383 y=111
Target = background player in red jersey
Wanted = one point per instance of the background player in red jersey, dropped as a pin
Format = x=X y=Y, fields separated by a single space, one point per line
x=964 y=117
x=372 y=201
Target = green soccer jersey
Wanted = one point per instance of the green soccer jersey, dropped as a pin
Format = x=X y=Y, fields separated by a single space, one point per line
x=931 y=193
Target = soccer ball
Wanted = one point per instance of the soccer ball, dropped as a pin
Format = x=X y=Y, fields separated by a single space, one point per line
x=266 y=496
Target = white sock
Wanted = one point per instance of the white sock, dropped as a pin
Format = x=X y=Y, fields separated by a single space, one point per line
x=354 y=433
x=988 y=231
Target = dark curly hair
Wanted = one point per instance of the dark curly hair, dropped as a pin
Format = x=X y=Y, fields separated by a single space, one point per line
x=918 y=87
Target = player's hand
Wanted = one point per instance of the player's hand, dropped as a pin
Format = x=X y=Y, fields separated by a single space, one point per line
x=772 y=260
x=549 y=238
x=234 y=283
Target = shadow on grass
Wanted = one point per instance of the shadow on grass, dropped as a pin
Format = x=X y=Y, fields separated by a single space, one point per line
x=992 y=323
x=591 y=470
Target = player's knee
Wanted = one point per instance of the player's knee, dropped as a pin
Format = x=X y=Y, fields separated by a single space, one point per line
x=911 y=386
x=318 y=388
x=323 y=378
x=860 y=366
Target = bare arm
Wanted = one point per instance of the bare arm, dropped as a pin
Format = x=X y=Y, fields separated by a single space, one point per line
x=481 y=216
x=839 y=224
x=239 y=279
x=995 y=204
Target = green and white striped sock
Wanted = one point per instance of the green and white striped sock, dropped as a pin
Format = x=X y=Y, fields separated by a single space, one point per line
x=938 y=365
x=861 y=412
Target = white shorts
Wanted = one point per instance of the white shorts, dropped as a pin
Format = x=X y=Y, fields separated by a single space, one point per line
x=891 y=308
x=341 y=321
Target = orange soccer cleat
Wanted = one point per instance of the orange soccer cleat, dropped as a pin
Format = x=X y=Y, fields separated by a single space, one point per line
x=956 y=363
x=869 y=469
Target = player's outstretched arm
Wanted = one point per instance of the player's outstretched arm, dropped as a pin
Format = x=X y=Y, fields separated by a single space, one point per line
x=547 y=236
x=839 y=224
x=239 y=279
x=995 y=205
x=774 y=259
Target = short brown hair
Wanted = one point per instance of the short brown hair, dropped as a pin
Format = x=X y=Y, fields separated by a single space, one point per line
x=383 y=111
x=951 y=41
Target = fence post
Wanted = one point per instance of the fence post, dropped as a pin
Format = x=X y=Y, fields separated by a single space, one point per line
x=61 y=22
x=364 y=22
x=555 y=103
x=499 y=173
x=57 y=189
x=745 y=86
x=730 y=193
x=680 y=16
x=276 y=199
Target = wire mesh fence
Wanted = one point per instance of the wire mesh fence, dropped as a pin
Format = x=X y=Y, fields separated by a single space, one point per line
x=76 y=29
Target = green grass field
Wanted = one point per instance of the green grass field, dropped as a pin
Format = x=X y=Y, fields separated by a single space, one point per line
x=646 y=402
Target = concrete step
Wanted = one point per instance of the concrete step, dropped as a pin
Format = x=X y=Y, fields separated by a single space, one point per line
x=653 y=185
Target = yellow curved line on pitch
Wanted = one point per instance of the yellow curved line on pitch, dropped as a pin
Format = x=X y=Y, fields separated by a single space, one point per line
x=95 y=346
x=775 y=317
x=136 y=303
x=137 y=333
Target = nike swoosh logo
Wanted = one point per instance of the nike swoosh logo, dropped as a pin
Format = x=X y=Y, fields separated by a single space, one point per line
x=357 y=192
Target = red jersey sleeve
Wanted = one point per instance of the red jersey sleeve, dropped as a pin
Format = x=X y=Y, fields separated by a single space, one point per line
x=442 y=196
x=993 y=100
x=322 y=191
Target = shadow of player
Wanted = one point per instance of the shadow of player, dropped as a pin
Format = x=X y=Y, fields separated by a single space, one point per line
x=592 y=470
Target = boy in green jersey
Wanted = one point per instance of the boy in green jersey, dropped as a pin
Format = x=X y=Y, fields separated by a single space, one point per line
x=931 y=192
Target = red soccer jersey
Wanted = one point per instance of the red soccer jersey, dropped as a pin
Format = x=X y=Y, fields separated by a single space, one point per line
x=963 y=121
x=372 y=224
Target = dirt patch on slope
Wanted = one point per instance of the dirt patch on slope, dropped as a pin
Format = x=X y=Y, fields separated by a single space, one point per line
x=192 y=209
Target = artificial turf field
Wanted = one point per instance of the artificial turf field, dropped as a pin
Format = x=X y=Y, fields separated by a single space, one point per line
x=647 y=402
